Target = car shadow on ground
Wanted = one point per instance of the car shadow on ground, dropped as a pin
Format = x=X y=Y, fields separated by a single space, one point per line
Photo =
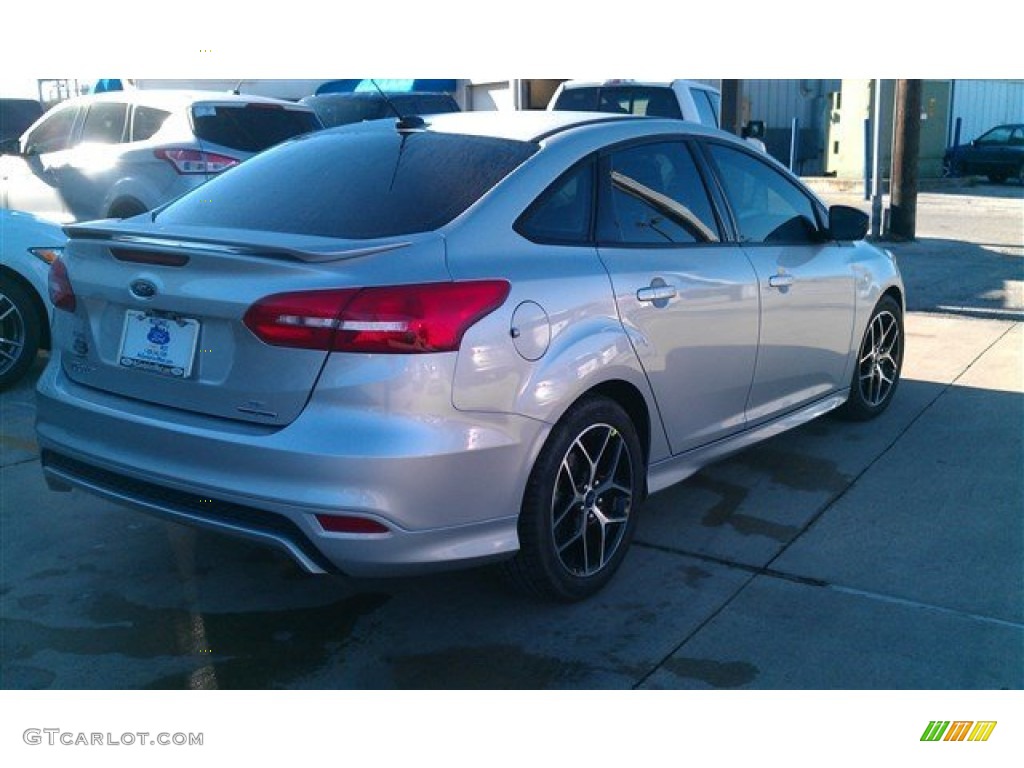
x=954 y=277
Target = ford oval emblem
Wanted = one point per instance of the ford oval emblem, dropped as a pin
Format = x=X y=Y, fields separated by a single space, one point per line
x=142 y=289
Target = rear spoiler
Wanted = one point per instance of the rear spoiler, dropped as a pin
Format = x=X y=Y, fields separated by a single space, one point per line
x=237 y=246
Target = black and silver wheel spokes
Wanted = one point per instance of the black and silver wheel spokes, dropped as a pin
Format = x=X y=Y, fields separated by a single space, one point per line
x=12 y=333
x=878 y=365
x=592 y=500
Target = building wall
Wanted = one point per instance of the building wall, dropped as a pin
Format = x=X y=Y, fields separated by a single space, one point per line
x=777 y=103
x=982 y=104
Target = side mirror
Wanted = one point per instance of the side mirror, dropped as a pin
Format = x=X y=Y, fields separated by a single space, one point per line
x=10 y=147
x=846 y=223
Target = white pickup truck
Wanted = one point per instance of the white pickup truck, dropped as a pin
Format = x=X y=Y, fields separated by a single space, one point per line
x=680 y=99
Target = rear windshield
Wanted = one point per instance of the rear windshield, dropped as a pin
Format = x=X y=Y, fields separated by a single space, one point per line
x=621 y=99
x=249 y=127
x=353 y=183
x=16 y=115
x=343 y=110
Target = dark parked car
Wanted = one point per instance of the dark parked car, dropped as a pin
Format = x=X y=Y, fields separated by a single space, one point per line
x=16 y=115
x=344 y=108
x=998 y=154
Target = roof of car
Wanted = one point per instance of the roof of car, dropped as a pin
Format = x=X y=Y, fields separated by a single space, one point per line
x=537 y=125
x=532 y=125
x=176 y=98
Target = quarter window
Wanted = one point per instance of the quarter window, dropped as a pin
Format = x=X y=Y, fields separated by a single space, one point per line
x=147 y=121
x=655 y=196
x=563 y=213
x=767 y=206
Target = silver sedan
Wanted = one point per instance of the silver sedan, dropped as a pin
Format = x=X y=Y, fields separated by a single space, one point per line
x=403 y=345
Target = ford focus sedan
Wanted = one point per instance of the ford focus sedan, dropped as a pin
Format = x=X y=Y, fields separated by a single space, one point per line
x=403 y=346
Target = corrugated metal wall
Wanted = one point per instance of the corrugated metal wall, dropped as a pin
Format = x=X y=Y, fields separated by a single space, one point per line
x=777 y=102
x=986 y=103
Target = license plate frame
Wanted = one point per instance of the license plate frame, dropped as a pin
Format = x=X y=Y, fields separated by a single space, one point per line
x=162 y=345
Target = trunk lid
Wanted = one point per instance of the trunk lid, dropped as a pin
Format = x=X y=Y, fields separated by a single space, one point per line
x=159 y=311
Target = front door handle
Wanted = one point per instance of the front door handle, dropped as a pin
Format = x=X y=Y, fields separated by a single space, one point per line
x=656 y=293
x=780 y=281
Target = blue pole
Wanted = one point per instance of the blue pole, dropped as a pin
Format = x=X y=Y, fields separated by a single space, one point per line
x=956 y=144
x=792 y=145
x=867 y=158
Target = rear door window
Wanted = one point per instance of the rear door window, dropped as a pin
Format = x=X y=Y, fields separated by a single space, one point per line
x=364 y=184
x=654 y=195
x=104 y=123
x=249 y=127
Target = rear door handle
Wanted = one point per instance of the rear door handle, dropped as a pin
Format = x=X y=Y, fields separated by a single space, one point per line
x=780 y=281
x=656 y=293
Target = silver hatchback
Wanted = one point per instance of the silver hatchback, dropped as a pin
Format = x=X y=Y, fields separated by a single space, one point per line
x=399 y=346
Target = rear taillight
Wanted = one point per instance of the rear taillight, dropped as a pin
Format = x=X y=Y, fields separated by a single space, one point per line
x=405 y=319
x=188 y=161
x=62 y=295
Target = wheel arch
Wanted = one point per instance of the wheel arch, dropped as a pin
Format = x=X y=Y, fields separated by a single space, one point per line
x=633 y=403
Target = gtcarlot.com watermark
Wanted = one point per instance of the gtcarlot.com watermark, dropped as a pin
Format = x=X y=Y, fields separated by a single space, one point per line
x=55 y=737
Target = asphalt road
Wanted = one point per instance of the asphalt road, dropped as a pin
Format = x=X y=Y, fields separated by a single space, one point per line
x=880 y=555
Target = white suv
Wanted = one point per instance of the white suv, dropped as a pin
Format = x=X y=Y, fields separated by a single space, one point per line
x=681 y=99
x=118 y=154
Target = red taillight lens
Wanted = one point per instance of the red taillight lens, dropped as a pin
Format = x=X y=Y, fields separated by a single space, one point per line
x=188 y=161
x=397 y=319
x=348 y=524
x=62 y=295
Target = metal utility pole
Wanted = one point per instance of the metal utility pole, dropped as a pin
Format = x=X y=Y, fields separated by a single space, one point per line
x=732 y=91
x=906 y=146
x=876 y=160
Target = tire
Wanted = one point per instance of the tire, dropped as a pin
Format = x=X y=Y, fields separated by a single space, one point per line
x=19 y=332
x=876 y=374
x=580 y=507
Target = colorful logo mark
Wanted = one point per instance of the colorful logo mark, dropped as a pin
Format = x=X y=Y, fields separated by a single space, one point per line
x=958 y=730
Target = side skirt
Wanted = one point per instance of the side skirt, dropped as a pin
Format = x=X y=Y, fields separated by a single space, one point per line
x=670 y=471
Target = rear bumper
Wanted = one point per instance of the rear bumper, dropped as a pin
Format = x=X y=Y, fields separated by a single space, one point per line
x=448 y=486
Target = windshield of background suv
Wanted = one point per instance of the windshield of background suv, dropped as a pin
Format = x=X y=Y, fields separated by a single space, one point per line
x=356 y=184
x=250 y=127
x=647 y=101
x=336 y=109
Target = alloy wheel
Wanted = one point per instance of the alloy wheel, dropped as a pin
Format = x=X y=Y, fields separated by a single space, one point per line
x=592 y=500
x=879 y=359
x=12 y=334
